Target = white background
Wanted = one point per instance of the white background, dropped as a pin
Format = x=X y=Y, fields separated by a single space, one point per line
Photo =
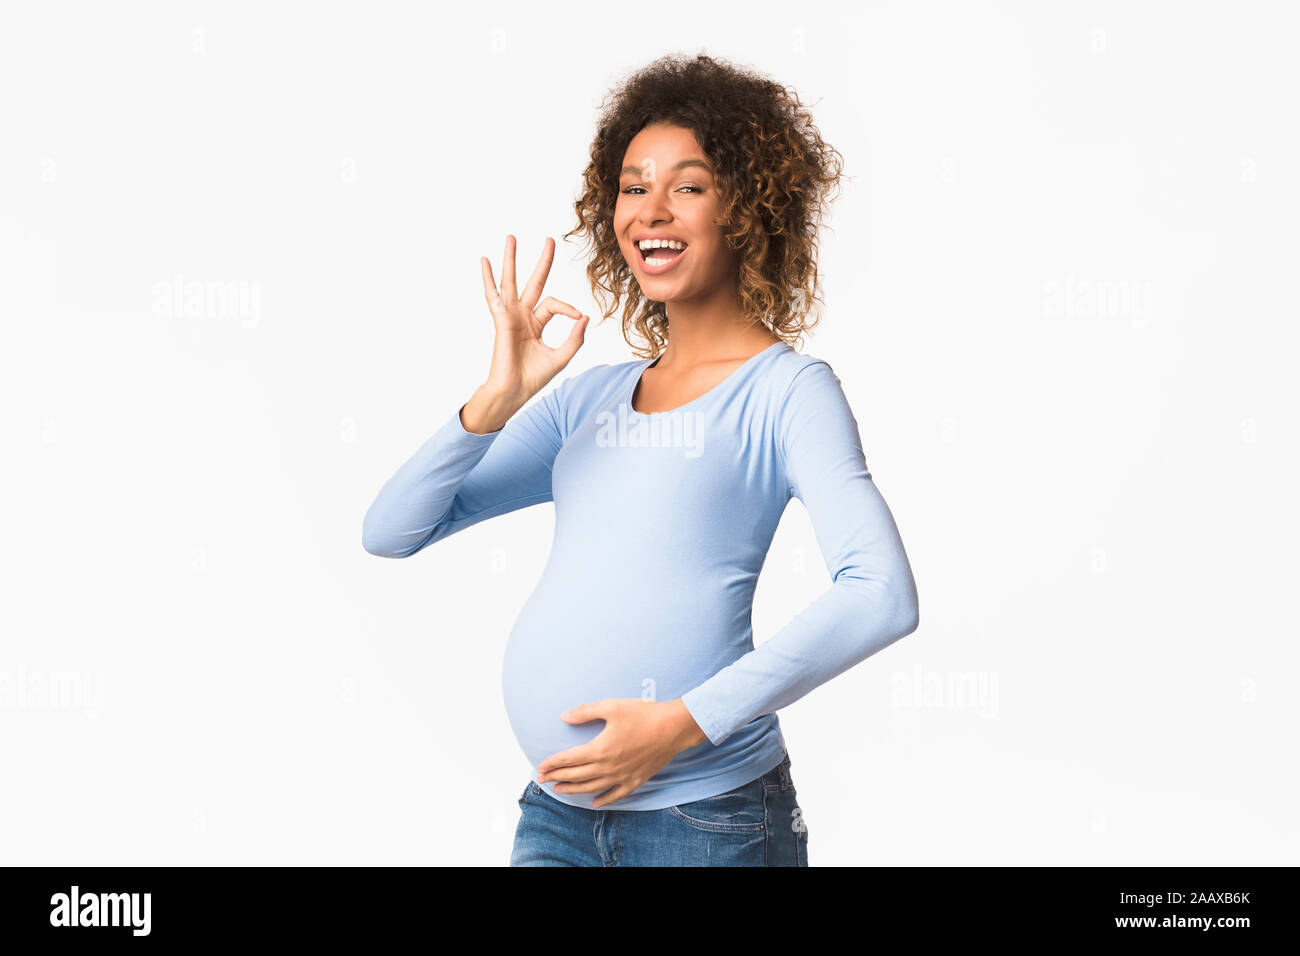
x=1060 y=294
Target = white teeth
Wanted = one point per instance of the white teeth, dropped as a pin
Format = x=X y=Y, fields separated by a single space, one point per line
x=657 y=262
x=660 y=244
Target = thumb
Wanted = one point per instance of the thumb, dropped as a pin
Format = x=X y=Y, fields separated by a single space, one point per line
x=583 y=713
x=569 y=348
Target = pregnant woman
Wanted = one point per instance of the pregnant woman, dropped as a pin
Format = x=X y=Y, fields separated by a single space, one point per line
x=631 y=679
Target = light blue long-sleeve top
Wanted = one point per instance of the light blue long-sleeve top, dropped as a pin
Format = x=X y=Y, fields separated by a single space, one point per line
x=662 y=524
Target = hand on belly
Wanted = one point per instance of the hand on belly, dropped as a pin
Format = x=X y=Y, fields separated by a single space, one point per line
x=639 y=739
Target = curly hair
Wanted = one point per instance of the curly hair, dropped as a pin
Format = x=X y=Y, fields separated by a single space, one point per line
x=774 y=173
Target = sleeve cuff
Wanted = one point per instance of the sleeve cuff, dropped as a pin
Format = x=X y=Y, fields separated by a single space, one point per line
x=460 y=431
x=699 y=712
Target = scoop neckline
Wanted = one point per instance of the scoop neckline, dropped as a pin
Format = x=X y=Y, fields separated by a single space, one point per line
x=646 y=363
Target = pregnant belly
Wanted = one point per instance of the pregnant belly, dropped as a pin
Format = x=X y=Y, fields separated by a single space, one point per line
x=563 y=651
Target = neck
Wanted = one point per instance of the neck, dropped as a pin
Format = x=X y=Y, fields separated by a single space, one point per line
x=711 y=328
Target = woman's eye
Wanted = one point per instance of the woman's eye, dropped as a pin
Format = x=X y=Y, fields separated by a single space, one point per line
x=629 y=189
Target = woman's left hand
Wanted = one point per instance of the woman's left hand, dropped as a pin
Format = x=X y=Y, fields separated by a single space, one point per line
x=639 y=740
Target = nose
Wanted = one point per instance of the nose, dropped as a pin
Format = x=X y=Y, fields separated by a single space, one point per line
x=654 y=208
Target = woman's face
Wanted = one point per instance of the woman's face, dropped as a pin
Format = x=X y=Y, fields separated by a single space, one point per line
x=667 y=191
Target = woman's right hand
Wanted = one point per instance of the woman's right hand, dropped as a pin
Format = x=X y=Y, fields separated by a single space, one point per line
x=522 y=363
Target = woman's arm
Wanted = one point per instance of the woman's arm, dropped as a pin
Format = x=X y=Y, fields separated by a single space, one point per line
x=872 y=600
x=458 y=478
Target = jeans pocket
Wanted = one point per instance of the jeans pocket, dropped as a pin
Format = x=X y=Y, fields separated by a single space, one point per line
x=742 y=810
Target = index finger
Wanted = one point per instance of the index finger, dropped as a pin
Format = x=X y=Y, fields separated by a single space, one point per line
x=573 y=757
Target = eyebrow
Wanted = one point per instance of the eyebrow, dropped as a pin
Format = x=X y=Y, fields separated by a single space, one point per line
x=685 y=163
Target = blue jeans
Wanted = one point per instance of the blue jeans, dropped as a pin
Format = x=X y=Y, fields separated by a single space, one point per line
x=757 y=824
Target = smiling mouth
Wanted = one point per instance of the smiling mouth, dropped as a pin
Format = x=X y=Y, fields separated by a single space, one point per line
x=659 y=257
